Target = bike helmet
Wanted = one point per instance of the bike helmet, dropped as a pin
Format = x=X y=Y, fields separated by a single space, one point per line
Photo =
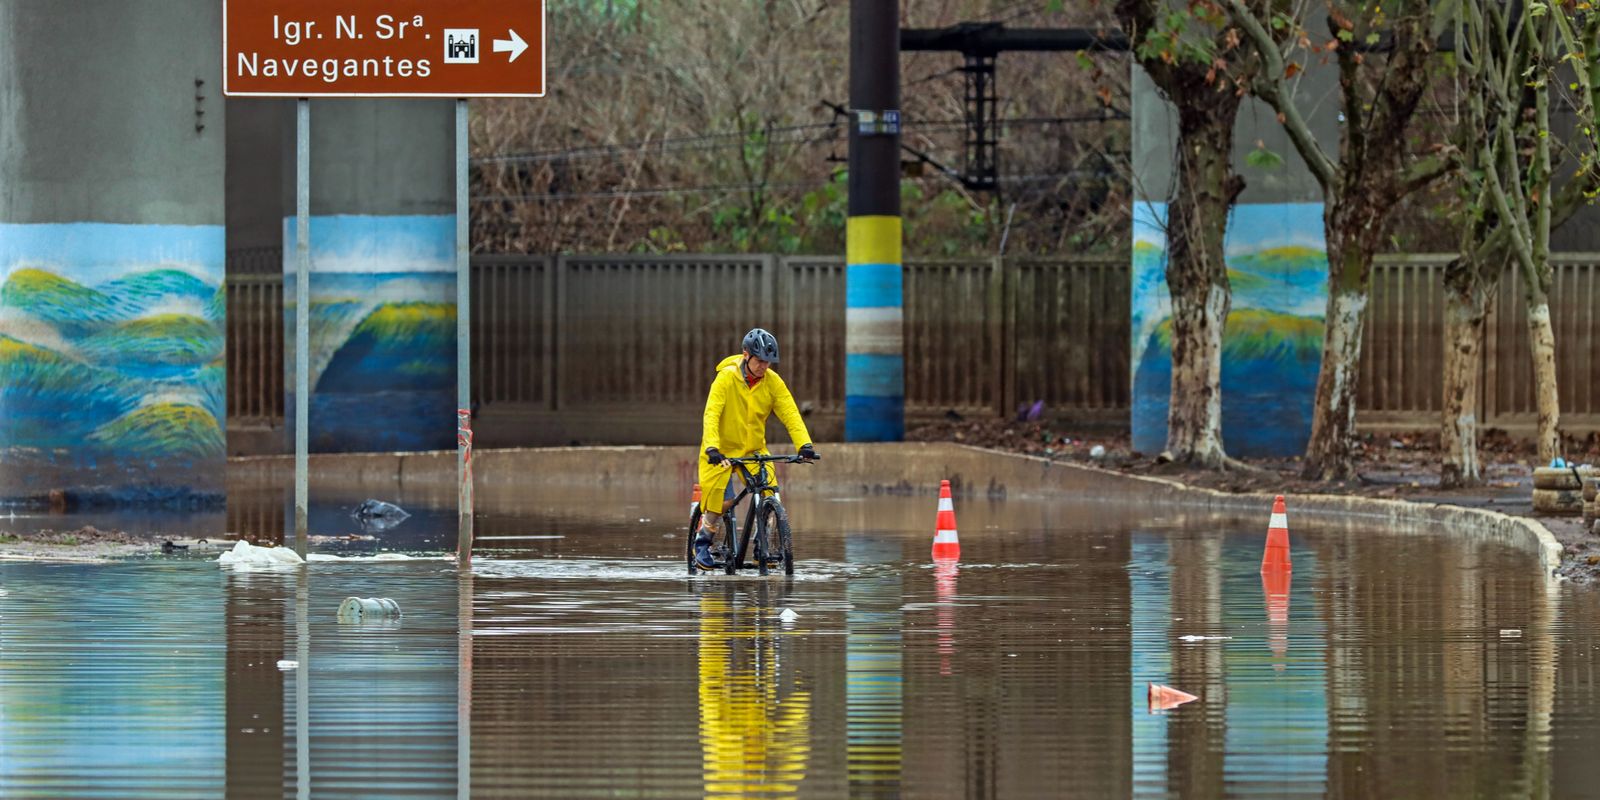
x=761 y=344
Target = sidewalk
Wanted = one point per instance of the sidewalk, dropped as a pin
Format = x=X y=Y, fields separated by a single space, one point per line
x=1392 y=467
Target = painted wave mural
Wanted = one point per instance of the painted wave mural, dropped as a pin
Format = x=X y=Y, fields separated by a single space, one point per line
x=383 y=332
x=111 y=362
x=1272 y=345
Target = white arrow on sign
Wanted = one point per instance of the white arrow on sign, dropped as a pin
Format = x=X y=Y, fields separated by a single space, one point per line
x=514 y=44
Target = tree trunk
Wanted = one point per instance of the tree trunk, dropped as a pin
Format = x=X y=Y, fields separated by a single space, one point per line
x=1542 y=343
x=1330 y=454
x=1197 y=276
x=1354 y=225
x=1466 y=305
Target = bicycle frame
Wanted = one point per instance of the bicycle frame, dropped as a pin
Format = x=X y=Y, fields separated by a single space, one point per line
x=762 y=489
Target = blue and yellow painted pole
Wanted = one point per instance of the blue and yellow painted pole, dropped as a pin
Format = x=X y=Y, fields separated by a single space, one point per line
x=874 y=381
x=875 y=396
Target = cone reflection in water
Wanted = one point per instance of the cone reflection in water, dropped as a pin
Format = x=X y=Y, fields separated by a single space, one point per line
x=1165 y=697
x=1275 y=585
x=1277 y=554
x=945 y=571
x=946 y=544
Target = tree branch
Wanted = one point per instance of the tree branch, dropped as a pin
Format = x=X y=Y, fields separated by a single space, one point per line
x=1270 y=87
x=1426 y=170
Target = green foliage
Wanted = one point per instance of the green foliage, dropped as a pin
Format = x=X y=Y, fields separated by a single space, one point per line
x=1262 y=158
x=811 y=224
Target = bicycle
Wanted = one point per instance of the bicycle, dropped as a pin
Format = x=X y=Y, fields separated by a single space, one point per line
x=766 y=518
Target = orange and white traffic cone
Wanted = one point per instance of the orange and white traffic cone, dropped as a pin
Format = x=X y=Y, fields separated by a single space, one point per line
x=694 y=500
x=946 y=544
x=1165 y=697
x=1277 y=555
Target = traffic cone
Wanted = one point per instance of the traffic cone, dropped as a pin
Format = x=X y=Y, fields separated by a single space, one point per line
x=945 y=542
x=1165 y=697
x=1277 y=555
x=694 y=500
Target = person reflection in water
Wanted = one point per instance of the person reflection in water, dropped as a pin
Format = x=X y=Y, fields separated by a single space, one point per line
x=752 y=742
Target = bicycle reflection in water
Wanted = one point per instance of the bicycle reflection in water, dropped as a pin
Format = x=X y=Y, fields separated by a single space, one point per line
x=755 y=719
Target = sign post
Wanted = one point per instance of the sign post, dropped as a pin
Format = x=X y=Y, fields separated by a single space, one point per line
x=383 y=48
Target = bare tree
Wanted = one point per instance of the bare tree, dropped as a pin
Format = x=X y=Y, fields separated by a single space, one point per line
x=1186 y=49
x=1509 y=72
x=1380 y=93
x=711 y=125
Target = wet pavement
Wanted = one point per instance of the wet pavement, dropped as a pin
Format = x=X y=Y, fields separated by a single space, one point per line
x=577 y=660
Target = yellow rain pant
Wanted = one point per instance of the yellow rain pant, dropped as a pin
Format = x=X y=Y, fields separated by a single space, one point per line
x=715 y=481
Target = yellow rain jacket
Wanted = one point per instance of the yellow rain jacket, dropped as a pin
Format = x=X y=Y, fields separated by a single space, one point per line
x=736 y=424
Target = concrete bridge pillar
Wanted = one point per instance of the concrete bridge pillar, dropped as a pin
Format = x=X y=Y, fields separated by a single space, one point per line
x=383 y=285
x=1277 y=265
x=111 y=252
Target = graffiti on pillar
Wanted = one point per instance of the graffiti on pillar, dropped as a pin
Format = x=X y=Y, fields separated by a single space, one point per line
x=383 y=332
x=1272 y=345
x=111 y=360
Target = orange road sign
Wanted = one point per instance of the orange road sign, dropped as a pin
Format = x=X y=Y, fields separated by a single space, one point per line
x=383 y=48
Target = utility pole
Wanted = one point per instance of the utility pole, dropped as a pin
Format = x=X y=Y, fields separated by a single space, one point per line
x=875 y=396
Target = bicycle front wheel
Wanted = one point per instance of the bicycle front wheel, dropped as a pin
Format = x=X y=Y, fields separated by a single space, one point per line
x=780 y=542
x=694 y=529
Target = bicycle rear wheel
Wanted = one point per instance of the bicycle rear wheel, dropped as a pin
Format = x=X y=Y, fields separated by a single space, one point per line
x=780 y=541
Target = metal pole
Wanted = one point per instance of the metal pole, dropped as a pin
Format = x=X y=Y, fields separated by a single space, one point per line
x=302 y=683
x=874 y=320
x=302 y=310
x=463 y=347
x=464 y=686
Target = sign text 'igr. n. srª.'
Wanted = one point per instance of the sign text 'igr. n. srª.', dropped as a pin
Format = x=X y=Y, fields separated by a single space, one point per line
x=330 y=70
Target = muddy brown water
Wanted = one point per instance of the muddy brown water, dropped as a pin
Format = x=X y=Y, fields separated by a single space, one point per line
x=577 y=660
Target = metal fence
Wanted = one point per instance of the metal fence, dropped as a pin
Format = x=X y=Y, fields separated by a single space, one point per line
x=639 y=335
x=255 y=348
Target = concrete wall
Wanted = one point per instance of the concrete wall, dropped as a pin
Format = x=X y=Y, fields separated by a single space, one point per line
x=111 y=250
x=1277 y=263
x=383 y=316
x=256 y=171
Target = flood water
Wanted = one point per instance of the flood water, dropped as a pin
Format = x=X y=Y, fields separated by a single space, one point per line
x=577 y=660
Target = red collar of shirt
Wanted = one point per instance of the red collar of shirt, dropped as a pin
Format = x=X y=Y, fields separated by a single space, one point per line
x=750 y=381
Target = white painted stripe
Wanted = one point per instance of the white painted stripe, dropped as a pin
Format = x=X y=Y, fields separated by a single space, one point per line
x=946 y=505
x=1279 y=521
x=873 y=335
x=874 y=315
x=945 y=537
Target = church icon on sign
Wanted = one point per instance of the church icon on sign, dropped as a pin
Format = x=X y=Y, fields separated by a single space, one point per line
x=460 y=45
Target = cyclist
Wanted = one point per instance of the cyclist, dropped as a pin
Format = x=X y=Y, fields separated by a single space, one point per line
x=744 y=393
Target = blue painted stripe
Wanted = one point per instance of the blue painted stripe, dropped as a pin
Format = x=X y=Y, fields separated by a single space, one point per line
x=872 y=286
x=874 y=375
x=874 y=419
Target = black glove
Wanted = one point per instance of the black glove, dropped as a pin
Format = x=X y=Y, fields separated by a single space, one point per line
x=808 y=452
x=714 y=457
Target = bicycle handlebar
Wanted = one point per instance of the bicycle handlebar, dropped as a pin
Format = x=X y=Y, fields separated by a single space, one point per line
x=794 y=459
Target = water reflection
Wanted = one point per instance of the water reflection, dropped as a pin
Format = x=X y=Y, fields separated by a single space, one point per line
x=873 y=677
x=755 y=718
x=1409 y=666
x=946 y=571
x=254 y=622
